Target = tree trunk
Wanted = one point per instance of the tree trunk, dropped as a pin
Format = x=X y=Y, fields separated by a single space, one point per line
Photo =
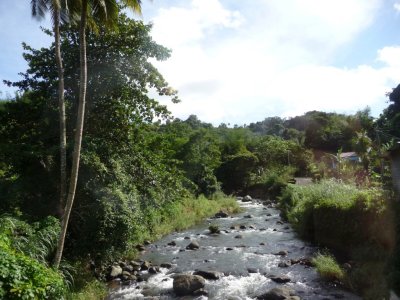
x=61 y=108
x=78 y=135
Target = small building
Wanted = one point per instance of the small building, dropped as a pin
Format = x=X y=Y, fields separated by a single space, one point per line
x=350 y=156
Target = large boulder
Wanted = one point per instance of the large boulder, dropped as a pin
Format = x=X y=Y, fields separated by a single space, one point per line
x=247 y=198
x=280 y=293
x=115 y=271
x=187 y=284
x=221 y=214
x=193 y=246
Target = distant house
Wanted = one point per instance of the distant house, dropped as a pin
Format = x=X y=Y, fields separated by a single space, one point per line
x=350 y=156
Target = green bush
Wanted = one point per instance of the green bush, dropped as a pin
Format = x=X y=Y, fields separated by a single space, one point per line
x=358 y=224
x=22 y=277
x=328 y=267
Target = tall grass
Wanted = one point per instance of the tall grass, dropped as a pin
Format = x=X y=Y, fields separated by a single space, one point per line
x=358 y=224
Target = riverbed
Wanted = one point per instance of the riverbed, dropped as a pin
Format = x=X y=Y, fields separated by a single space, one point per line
x=251 y=248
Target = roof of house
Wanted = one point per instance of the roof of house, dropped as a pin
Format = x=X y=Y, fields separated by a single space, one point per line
x=348 y=154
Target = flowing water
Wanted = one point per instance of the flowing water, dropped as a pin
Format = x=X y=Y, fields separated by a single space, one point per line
x=246 y=261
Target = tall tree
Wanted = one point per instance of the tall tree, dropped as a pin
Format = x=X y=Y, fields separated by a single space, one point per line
x=105 y=12
x=39 y=8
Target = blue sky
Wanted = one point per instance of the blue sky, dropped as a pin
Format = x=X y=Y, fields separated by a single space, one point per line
x=242 y=61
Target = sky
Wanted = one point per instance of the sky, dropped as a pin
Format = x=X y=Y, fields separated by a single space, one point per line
x=239 y=62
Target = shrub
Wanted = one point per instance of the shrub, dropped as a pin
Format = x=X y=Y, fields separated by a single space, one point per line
x=22 y=277
x=328 y=267
x=214 y=228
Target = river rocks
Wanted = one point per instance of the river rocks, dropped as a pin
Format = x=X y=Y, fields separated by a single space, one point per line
x=166 y=265
x=140 y=247
x=252 y=227
x=247 y=198
x=154 y=270
x=239 y=236
x=135 y=265
x=280 y=293
x=147 y=242
x=193 y=246
x=281 y=253
x=145 y=265
x=115 y=271
x=229 y=249
x=279 y=222
x=252 y=270
x=172 y=243
x=285 y=264
x=248 y=216
x=187 y=284
x=280 y=279
x=211 y=275
x=221 y=214
x=235 y=227
x=242 y=226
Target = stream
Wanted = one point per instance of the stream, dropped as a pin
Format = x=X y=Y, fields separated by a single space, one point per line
x=247 y=257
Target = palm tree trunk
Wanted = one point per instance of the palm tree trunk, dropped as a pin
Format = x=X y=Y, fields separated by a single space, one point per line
x=78 y=135
x=61 y=108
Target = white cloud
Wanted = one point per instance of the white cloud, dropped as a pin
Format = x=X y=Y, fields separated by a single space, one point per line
x=396 y=6
x=271 y=58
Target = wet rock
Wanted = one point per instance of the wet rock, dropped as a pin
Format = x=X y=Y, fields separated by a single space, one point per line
x=229 y=249
x=147 y=242
x=188 y=237
x=242 y=227
x=221 y=214
x=235 y=227
x=269 y=215
x=262 y=244
x=135 y=265
x=252 y=227
x=140 y=247
x=193 y=246
x=200 y=292
x=239 y=198
x=145 y=265
x=239 y=236
x=252 y=270
x=286 y=227
x=187 y=284
x=263 y=229
x=279 y=222
x=173 y=243
x=166 y=265
x=154 y=270
x=275 y=229
x=285 y=264
x=212 y=275
x=128 y=268
x=115 y=271
x=280 y=279
x=281 y=253
x=247 y=198
x=302 y=261
x=279 y=293
x=122 y=264
x=248 y=216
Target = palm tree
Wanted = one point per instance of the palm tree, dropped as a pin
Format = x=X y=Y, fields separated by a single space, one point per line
x=106 y=13
x=39 y=9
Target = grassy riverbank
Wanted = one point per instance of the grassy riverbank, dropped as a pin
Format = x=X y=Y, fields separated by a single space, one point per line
x=355 y=224
x=174 y=216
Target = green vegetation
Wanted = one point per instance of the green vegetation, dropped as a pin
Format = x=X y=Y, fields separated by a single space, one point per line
x=328 y=267
x=357 y=224
x=23 y=276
